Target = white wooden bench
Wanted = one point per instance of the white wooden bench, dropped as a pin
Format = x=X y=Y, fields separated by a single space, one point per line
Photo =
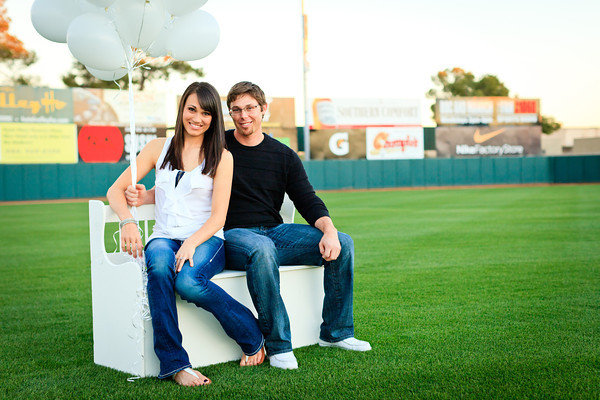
x=123 y=337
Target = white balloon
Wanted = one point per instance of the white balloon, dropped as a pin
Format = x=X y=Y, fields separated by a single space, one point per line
x=94 y=41
x=181 y=7
x=107 y=75
x=158 y=48
x=193 y=36
x=87 y=7
x=102 y=3
x=138 y=21
x=51 y=18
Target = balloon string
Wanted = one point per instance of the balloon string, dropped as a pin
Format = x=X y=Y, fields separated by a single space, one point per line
x=132 y=137
x=142 y=24
x=139 y=57
x=142 y=310
x=143 y=65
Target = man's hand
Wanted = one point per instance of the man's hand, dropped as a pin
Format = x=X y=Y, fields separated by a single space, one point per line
x=136 y=195
x=330 y=246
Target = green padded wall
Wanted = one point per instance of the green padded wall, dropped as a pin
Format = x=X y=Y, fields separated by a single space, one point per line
x=61 y=181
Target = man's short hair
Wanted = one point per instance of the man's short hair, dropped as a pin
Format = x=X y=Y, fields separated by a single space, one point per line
x=249 y=88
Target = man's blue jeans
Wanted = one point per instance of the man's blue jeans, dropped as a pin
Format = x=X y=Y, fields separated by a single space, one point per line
x=194 y=286
x=260 y=251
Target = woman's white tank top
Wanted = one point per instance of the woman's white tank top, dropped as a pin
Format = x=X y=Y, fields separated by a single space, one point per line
x=180 y=211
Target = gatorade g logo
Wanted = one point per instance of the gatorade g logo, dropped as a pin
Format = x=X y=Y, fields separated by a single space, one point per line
x=338 y=143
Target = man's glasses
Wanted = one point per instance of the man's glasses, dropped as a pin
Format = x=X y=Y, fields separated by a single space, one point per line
x=238 y=111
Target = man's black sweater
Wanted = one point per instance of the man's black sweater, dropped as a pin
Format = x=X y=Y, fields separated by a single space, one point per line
x=262 y=174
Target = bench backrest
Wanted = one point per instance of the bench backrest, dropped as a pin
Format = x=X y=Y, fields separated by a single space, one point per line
x=101 y=214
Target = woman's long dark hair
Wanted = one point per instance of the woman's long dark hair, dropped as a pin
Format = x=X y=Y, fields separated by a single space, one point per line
x=213 y=142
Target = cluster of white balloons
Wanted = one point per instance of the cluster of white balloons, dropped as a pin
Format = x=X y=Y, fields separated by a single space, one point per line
x=107 y=36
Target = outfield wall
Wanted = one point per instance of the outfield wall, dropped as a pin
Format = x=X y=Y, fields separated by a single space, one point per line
x=60 y=181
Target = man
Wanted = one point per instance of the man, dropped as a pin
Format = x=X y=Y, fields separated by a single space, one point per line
x=258 y=242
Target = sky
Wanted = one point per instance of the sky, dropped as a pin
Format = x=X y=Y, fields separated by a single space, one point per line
x=388 y=49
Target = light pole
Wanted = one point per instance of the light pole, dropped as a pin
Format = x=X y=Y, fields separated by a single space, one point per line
x=304 y=75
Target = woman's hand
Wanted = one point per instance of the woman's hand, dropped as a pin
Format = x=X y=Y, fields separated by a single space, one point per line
x=185 y=252
x=131 y=241
x=136 y=195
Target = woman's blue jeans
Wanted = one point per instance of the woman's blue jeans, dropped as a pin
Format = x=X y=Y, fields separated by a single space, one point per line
x=194 y=286
x=261 y=250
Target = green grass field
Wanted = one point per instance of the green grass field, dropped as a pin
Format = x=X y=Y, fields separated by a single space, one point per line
x=476 y=293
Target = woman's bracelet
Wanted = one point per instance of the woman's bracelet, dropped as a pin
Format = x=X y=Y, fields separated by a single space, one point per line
x=127 y=221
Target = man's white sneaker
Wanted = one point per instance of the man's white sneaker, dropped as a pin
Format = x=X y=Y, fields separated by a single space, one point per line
x=348 y=344
x=284 y=361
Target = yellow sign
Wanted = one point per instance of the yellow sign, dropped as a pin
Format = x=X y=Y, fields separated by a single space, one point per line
x=48 y=102
x=38 y=143
x=39 y=105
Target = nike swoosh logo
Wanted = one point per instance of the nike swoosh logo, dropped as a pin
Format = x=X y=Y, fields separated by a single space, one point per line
x=479 y=138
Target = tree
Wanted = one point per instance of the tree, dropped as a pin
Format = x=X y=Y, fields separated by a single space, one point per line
x=549 y=125
x=159 y=68
x=456 y=82
x=14 y=58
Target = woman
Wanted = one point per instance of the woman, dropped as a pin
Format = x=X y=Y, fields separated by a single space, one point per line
x=185 y=250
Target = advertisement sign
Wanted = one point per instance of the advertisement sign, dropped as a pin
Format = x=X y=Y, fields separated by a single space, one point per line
x=487 y=110
x=37 y=105
x=395 y=143
x=143 y=136
x=111 y=144
x=332 y=144
x=37 y=143
x=104 y=107
x=287 y=136
x=362 y=113
x=488 y=141
x=339 y=143
x=100 y=144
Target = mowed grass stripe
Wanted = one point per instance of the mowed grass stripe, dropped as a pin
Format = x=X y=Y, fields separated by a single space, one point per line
x=475 y=293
